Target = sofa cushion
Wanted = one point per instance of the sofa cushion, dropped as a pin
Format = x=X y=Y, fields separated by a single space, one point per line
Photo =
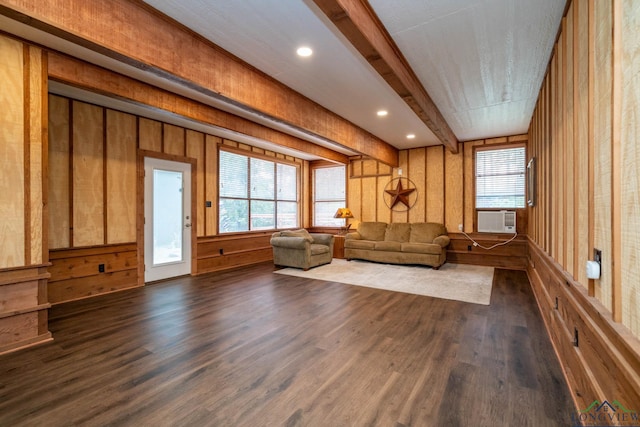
x=387 y=246
x=425 y=232
x=372 y=230
x=359 y=244
x=398 y=232
x=422 y=248
x=317 y=249
x=297 y=233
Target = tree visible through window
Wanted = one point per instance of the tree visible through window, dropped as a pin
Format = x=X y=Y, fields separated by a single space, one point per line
x=329 y=186
x=500 y=178
x=256 y=194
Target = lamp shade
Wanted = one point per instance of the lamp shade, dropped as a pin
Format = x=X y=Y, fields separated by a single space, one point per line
x=343 y=213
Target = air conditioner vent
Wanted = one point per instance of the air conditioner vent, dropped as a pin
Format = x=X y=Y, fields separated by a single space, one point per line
x=496 y=222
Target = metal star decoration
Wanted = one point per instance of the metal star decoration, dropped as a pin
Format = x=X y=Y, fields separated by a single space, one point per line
x=400 y=195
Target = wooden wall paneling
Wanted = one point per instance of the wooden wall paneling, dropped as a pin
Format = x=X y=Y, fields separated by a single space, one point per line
x=403 y=165
x=603 y=134
x=417 y=172
x=121 y=177
x=581 y=141
x=305 y=193
x=569 y=146
x=59 y=172
x=12 y=145
x=369 y=199
x=454 y=190
x=616 y=160
x=354 y=197
x=38 y=148
x=196 y=149
x=559 y=160
x=629 y=226
x=383 y=213
x=547 y=146
x=469 y=184
x=435 y=184
x=499 y=140
x=82 y=74
x=591 y=24
x=211 y=183
x=369 y=167
x=88 y=200
x=173 y=139
x=150 y=135
x=553 y=163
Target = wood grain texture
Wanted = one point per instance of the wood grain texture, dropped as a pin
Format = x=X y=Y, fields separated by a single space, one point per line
x=88 y=164
x=37 y=147
x=454 y=190
x=195 y=148
x=602 y=149
x=173 y=139
x=12 y=143
x=211 y=183
x=82 y=74
x=606 y=361
x=435 y=184
x=417 y=172
x=150 y=135
x=121 y=177
x=630 y=178
x=59 y=172
x=249 y=347
x=568 y=158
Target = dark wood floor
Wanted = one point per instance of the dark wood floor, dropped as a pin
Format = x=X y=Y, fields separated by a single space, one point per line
x=253 y=348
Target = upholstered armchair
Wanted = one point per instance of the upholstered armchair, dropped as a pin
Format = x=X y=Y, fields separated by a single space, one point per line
x=301 y=249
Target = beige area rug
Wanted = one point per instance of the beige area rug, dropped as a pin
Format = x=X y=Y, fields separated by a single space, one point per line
x=466 y=283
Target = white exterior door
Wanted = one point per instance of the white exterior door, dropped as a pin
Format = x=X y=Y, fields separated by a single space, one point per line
x=167 y=225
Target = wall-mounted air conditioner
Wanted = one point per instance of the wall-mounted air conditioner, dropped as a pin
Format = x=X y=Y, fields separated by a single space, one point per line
x=496 y=222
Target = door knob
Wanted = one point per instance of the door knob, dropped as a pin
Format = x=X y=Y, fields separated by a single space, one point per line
x=187 y=225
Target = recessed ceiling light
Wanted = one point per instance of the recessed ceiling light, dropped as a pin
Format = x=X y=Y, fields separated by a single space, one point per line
x=411 y=136
x=382 y=113
x=304 y=51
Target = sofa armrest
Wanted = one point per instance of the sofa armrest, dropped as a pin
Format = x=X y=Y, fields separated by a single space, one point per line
x=290 y=242
x=442 y=241
x=353 y=235
x=322 y=238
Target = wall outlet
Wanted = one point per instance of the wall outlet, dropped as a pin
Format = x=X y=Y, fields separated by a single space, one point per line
x=100 y=268
x=460 y=227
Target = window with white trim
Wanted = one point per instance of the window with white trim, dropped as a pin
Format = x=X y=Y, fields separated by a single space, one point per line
x=329 y=194
x=500 y=178
x=256 y=194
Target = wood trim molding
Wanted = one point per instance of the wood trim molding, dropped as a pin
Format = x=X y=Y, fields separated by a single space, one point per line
x=359 y=24
x=105 y=28
x=604 y=363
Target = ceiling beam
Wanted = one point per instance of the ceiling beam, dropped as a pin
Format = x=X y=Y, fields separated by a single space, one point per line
x=361 y=26
x=134 y=34
x=77 y=73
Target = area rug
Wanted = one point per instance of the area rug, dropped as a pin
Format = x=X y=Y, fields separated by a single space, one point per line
x=466 y=283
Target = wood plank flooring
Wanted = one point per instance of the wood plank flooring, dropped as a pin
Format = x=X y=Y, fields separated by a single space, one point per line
x=253 y=348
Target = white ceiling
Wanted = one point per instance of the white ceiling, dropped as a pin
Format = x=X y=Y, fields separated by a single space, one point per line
x=481 y=61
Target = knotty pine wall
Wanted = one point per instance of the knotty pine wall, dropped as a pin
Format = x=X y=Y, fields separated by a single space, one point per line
x=93 y=178
x=584 y=135
x=23 y=196
x=445 y=186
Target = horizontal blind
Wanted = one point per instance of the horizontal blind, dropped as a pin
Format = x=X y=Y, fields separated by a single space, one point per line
x=500 y=178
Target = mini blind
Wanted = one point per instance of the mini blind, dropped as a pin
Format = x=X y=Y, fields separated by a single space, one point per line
x=500 y=178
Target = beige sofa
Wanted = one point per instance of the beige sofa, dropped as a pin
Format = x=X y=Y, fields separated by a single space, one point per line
x=398 y=243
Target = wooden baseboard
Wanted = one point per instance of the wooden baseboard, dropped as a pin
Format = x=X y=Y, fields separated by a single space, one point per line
x=511 y=256
x=75 y=272
x=600 y=358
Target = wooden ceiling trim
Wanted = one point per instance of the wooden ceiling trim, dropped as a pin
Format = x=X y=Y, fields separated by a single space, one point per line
x=81 y=74
x=134 y=34
x=361 y=26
